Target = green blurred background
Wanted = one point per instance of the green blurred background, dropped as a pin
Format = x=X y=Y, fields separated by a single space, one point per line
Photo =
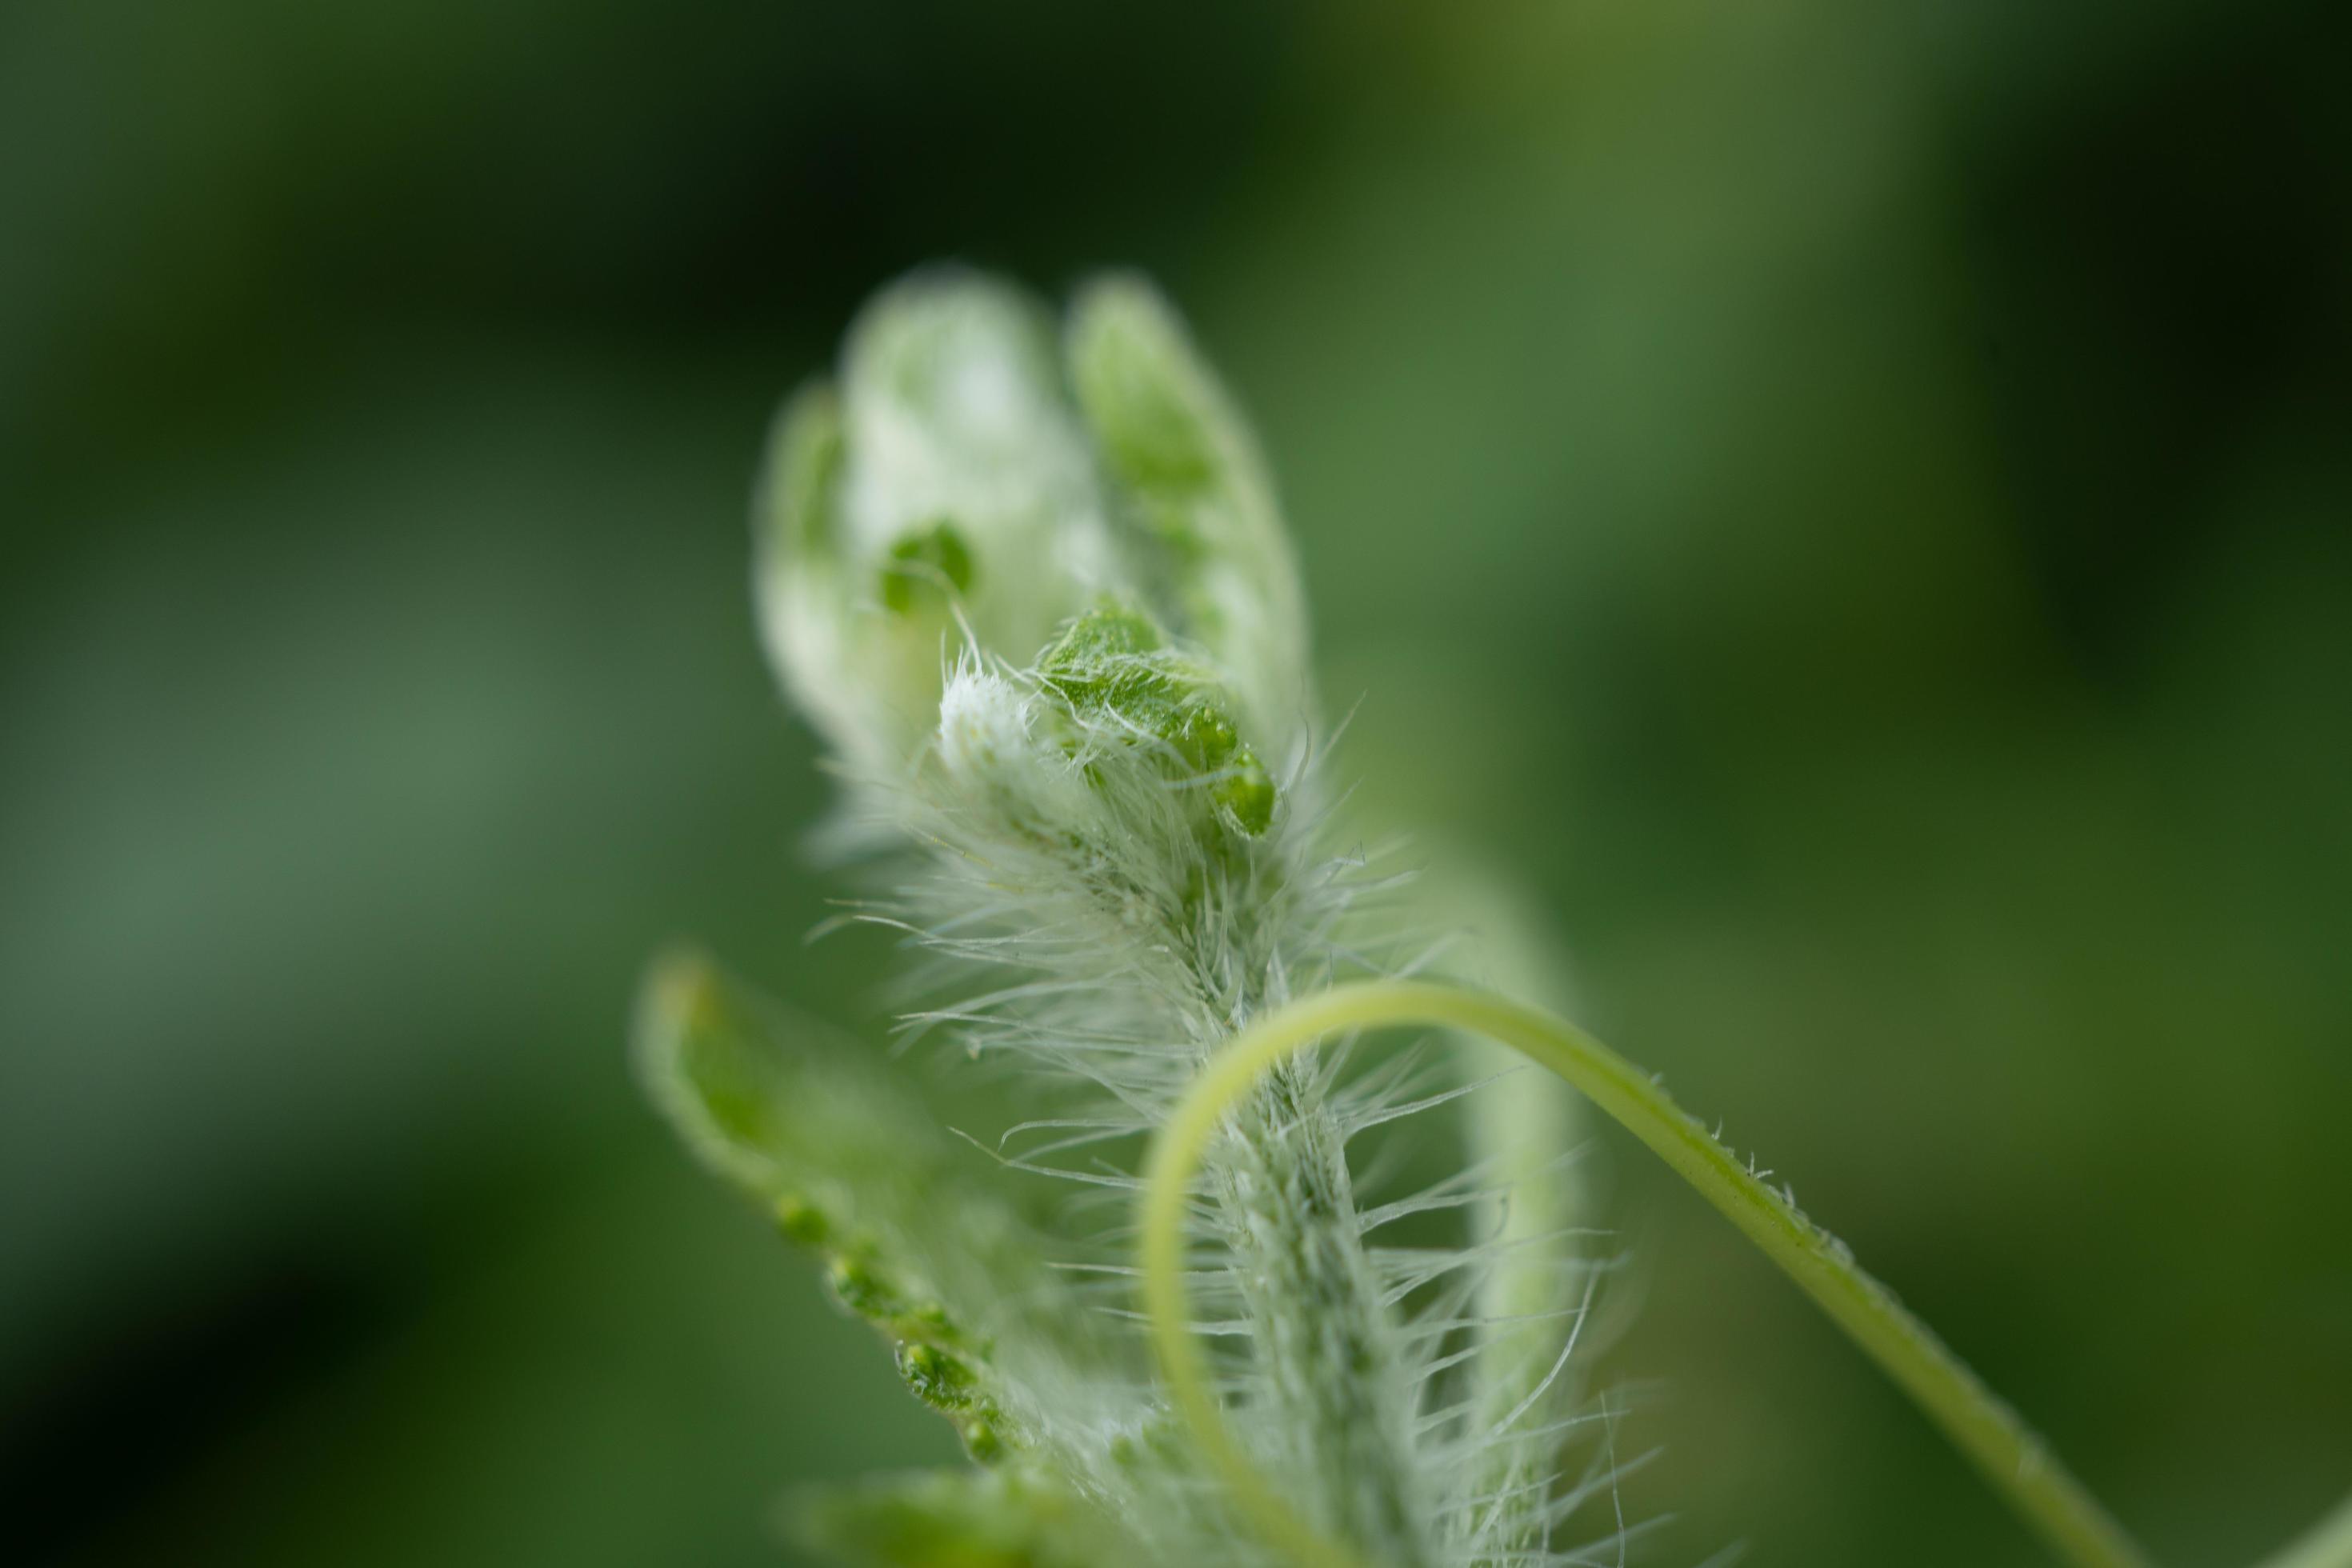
x=1848 y=501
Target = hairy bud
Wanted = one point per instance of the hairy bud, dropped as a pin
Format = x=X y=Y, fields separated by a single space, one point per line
x=1189 y=481
x=945 y=493
x=1038 y=599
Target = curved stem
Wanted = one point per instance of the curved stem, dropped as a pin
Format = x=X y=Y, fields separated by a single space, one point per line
x=2009 y=1454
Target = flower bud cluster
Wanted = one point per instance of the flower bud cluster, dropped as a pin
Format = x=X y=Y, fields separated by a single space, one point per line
x=970 y=487
x=1032 y=589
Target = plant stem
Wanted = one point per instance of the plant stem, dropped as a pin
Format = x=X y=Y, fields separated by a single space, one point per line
x=1289 y=1217
x=2016 y=1463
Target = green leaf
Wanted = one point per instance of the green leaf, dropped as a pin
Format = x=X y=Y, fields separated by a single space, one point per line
x=956 y=1519
x=916 y=1234
x=1192 y=484
x=1113 y=658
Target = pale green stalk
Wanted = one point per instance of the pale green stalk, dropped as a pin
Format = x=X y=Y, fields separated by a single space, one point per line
x=2016 y=1461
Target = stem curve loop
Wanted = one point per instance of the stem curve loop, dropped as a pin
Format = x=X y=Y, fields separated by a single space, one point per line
x=2009 y=1454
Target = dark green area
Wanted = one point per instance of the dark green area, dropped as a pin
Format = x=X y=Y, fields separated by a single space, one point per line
x=1846 y=502
x=935 y=559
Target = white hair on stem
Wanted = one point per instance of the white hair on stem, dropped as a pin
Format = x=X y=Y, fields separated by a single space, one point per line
x=1044 y=612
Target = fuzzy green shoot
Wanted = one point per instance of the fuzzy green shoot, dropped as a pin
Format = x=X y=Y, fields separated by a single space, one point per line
x=1028 y=580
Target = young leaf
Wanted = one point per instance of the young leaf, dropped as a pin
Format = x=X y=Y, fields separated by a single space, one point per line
x=956 y=1519
x=915 y=1237
x=1192 y=484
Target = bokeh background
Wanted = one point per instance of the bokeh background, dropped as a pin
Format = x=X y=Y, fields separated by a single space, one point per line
x=1849 y=503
